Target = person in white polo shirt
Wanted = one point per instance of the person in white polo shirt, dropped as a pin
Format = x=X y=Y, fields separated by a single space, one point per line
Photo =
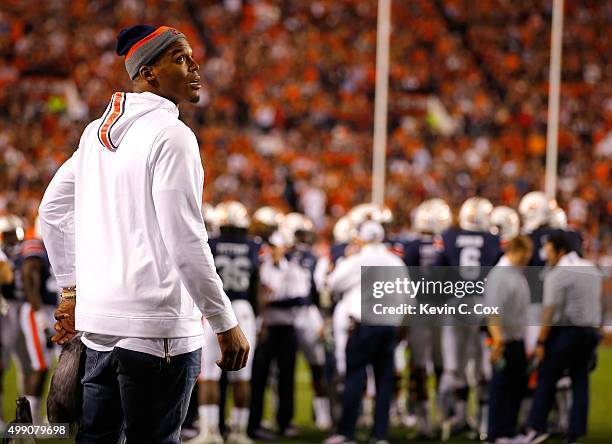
x=367 y=344
x=123 y=226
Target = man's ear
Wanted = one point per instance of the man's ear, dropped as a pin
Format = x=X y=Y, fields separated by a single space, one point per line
x=146 y=73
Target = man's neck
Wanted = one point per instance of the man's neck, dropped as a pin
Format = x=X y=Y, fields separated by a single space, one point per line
x=141 y=88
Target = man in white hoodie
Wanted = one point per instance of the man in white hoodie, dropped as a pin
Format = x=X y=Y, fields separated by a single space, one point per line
x=123 y=227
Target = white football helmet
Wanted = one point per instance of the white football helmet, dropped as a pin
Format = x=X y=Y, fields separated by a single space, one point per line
x=232 y=214
x=505 y=222
x=474 y=214
x=280 y=239
x=370 y=211
x=268 y=216
x=209 y=214
x=344 y=230
x=294 y=222
x=535 y=209
x=558 y=219
x=12 y=224
x=432 y=216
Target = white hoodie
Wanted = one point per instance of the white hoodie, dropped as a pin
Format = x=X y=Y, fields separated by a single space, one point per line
x=122 y=220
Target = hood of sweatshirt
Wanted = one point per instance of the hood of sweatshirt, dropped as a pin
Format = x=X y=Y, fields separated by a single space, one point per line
x=123 y=110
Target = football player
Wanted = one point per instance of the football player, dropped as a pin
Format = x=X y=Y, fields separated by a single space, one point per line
x=237 y=262
x=431 y=218
x=469 y=247
x=370 y=211
x=505 y=223
x=558 y=220
x=536 y=210
x=209 y=214
x=309 y=325
x=344 y=235
x=32 y=299
x=266 y=220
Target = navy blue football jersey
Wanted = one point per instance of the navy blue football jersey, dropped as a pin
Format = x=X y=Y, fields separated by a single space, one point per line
x=302 y=255
x=541 y=234
x=396 y=245
x=539 y=237
x=337 y=251
x=416 y=251
x=462 y=248
x=28 y=249
x=237 y=262
x=472 y=252
x=420 y=251
x=575 y=240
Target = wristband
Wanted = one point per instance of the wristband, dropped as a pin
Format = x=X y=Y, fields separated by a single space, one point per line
x=69 y=293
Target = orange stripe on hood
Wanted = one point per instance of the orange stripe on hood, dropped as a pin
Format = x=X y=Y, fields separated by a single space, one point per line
x=116 y=111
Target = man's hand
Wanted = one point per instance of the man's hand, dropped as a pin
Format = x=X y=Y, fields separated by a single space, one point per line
x=65 y=321
x=497 y=351
x=538 y=354
x=234 y=349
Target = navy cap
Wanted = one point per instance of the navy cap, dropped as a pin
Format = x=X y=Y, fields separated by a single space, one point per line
x=142 y=43
x=128 y=37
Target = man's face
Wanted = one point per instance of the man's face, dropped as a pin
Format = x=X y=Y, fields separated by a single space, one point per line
x=177 y=75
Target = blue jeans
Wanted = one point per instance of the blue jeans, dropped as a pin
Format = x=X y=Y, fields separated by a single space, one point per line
x=137 y=395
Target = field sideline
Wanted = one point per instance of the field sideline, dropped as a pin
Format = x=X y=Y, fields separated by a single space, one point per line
x=600 y=423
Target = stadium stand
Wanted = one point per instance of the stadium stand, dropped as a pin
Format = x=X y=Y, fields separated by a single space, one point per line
x=287 y=116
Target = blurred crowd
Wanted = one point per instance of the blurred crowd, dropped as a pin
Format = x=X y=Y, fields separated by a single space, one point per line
x=287 y=115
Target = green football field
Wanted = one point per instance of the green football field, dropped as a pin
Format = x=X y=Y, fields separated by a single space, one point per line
x=600 y=418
